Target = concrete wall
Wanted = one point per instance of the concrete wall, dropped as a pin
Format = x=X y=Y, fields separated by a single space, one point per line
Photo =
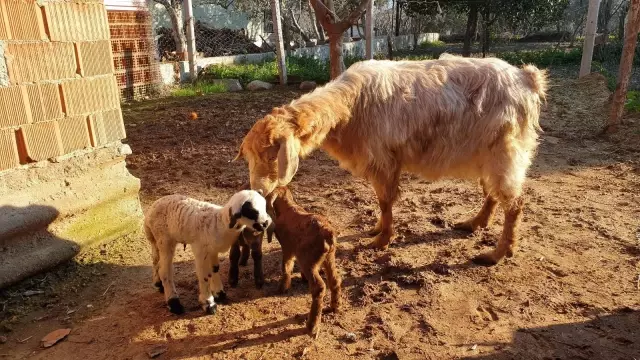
x=354 y=48
x=59 y=116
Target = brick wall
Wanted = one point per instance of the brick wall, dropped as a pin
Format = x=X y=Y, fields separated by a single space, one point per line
x=133 y=47
x=58 y=88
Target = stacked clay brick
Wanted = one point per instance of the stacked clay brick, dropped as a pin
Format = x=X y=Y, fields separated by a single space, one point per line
x=58 y=92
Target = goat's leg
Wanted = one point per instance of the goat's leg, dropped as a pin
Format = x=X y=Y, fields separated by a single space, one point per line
x=506 y=244
x=165 y=271
x=483 y=219
x=215 y=282
x=287 y=268
x=155 y=258
x=234 y=271
x=334 y=279
x=317 y=288
x=386 y=188
x=256 y=255
x=245 y=254
x=204 y=274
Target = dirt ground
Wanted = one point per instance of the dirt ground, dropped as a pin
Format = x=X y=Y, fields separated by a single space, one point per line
x=572 y=291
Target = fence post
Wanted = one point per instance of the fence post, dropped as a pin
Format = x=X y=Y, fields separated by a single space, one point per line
x=369 y=22
x=191 y=41
x=589 y=39
x=277 y=29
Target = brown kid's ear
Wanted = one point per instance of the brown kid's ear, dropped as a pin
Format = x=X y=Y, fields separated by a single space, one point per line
x=270 y=230
x=287 y=159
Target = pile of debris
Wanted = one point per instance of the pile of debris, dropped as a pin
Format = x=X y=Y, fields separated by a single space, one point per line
x=212 y=42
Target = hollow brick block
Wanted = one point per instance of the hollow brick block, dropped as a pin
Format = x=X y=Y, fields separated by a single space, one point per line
x=85 y=96
x=106 y=127
x=23 y=19
x=74 y=133
x=32 y=62
x=73 y=21
x=8 y=150
x=94 y=57
x=14 y=107
x=41 y=141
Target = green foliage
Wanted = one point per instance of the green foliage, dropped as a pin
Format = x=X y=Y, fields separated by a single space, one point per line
x=199 y=89
x=306 y=68
x=542 y=58
x=596 y=66
x=633 y=101
x=432 y=44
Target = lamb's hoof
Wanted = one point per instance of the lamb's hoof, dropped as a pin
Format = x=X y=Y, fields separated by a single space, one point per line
x=220 y=297
x=466 y=226
x=211 y=309
x=159 y=286
x=486 y=259
x=175 y=306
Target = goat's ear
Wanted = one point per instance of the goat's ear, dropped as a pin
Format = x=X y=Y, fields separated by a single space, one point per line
x=270 y=230
x=287 y=159
x=239 y=153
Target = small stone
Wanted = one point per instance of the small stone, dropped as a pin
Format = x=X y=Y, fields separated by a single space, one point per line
x=308 y=85
x=157 y=350
x=475 y=346
x=54 y=337
x=125 y=149
x=552 y=140
x=351 y=337
x=3 y=339
x=32 y=292
x=258 y=85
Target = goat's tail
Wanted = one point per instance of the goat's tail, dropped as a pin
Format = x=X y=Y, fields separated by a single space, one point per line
x=537 y=80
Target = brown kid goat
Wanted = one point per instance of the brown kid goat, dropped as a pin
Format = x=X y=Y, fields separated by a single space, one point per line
x=311 y=240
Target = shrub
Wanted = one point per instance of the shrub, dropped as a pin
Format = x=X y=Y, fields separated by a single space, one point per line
x=199 y=89
x=542 y=58
x=633 y=101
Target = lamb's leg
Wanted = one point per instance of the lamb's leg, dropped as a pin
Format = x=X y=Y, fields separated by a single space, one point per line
x=165 y=271
x=317 y=288
x=334 y=279
x=483 y=218
x=256 y=255
x=386 y=188
x=287 y=268
x=215 y=282
x=155 y=258
x=204 y=274
x=245 y=255
x=234 y=271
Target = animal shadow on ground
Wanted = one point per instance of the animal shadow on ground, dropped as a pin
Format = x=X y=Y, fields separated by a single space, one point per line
x=611 y=336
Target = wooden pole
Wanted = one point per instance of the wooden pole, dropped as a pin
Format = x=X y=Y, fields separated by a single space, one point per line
x=369 y=22
x=277 y=30
x=191 y=40
x=589 y=39
x=632 y=29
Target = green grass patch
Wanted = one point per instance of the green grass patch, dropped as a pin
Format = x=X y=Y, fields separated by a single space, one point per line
x=633 y=101
x=542 y=58
x=200 y=88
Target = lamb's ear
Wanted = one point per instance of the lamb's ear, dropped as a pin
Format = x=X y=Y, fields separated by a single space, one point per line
x=233 y=218
x=287 y=159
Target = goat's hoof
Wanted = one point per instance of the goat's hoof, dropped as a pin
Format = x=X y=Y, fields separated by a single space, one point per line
x=466 y=226
x=211 y=309
x=220 y=297
x=175 y=306
x=486 y=259
x=380 y=242
x=159 y=286
x=243 y=262
x=313 y=329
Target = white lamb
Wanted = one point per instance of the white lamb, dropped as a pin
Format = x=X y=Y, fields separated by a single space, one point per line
x=209 y=229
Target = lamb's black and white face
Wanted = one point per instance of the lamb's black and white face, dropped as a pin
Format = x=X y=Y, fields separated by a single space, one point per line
x=249 y=208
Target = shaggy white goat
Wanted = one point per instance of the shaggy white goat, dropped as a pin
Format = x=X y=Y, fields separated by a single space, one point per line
x=210 y=229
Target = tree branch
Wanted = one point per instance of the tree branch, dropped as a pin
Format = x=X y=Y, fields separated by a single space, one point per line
x=355 y=15
x=164 y=3
x=296 y=26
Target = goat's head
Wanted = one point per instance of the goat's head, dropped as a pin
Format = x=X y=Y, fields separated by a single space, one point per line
x=249 y=209
x=271 y=150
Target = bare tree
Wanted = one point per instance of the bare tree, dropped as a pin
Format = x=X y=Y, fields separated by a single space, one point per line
x=325 y=13
x=174 y=10
x=626 y=65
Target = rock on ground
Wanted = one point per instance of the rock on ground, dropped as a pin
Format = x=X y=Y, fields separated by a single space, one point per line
x=258 y=85
x=231 y=84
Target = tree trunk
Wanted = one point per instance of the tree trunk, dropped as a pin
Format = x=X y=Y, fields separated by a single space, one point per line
x=398 y=6
x=486 y=33
x=175 y=15
x=316 y=28
x=621 y=23
x=472 y=23
x=626 y=65
x=336 y=57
